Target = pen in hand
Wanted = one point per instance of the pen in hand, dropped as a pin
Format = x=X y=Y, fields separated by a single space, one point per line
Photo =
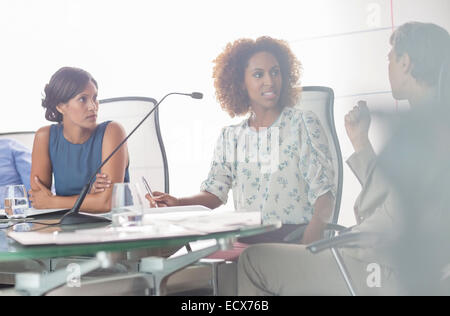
x=149 y=191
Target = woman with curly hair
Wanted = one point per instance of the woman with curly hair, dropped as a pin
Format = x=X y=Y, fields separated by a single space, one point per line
x=277 y=160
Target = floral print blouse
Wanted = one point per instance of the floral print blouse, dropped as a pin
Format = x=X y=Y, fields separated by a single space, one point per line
x=279 y=171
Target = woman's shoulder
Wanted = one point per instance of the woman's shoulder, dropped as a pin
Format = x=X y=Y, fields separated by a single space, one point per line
x=234 y=129
x=112 y=129
x=302 y=117
x=44 y=132
x=295 y=112
x=42 y=136
x=236 y=126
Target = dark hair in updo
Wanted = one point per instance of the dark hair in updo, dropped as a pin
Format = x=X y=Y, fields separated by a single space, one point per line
x=64 y=85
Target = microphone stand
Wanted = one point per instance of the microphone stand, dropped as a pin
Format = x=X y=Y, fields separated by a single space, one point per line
x=73 y=217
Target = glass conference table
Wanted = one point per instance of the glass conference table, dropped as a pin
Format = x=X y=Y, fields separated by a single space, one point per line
x=100 y=255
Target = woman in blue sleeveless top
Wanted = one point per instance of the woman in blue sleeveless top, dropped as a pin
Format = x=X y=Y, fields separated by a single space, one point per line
x=73 y=149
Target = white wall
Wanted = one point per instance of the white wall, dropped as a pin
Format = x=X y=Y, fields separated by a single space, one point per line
x=149 y=48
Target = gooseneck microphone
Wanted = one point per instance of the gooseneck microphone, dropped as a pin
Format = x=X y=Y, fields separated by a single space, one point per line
x=73 y=217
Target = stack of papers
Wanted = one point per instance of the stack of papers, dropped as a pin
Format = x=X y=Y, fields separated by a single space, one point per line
x=157 y=224
x=177 y=209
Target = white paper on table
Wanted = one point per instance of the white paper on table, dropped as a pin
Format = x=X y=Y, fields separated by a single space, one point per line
x=154 y=226
x=100 y=235
x=223 y=221
x=177 y=209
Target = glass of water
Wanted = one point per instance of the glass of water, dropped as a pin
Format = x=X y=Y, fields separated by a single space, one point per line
x=16 y=201
x=127 y=205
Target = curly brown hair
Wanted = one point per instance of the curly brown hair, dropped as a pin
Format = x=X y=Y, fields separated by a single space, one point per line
x=230 y=66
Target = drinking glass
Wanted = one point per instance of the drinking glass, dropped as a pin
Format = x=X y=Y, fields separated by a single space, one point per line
x=127 y=205
x=16 y=201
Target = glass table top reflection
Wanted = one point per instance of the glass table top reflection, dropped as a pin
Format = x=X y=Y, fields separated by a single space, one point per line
x=11 y=250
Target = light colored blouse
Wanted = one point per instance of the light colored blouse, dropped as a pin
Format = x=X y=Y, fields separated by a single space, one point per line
x=279 y=171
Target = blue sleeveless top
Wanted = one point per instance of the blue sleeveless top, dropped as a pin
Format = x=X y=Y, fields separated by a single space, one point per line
x=74 y=164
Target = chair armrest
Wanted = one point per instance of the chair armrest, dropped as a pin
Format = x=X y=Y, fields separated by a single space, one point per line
x=344 y=240
x=336 y=227
x=296 y=235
